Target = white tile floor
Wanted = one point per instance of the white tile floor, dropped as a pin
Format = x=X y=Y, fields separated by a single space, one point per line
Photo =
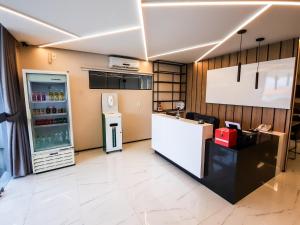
x=138 y=187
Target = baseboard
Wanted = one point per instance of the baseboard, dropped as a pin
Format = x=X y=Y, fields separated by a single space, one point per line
x=128 y=142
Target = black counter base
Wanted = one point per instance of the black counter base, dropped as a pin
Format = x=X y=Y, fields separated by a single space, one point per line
x=234 y=173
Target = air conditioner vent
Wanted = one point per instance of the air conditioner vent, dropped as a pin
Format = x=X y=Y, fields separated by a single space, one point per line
x=123 y=63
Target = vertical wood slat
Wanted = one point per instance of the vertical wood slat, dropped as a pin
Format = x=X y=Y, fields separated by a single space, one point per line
x=189 y=89
x=199 y=91
x=216 y=107
x=209 y=106
x=194 y=87
x=203 y=87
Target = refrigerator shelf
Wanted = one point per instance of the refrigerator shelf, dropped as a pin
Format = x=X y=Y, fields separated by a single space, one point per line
x=47 y=102
x=51 y=125
x=49 y=115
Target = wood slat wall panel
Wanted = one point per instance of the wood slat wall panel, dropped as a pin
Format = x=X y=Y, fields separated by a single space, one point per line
x=249 y=117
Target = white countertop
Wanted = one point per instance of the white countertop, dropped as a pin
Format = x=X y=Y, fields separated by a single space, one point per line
x=181 y=119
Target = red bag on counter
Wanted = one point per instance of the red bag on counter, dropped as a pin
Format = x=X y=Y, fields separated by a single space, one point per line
x=226 y=137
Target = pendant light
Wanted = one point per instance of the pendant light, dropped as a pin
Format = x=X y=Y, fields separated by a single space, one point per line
x=259 y=40
x=240 y=32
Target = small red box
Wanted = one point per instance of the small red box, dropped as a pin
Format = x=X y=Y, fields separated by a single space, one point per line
x=226 y=137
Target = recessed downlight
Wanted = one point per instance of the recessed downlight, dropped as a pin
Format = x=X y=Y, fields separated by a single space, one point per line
x=92 y=36
x=2 y=8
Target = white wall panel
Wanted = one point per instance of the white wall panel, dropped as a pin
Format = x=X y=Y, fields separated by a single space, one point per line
x=275 y=84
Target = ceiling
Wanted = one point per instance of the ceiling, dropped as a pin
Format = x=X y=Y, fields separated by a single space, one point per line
x=115 y=27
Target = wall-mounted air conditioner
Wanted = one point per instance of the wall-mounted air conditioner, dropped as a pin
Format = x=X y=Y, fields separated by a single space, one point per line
x=123 y=63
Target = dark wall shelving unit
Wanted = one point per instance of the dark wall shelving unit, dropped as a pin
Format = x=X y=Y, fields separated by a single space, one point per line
x=169 y=84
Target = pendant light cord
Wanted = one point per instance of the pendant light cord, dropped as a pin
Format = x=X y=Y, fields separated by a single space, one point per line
x=240 y=53
x=258 y=57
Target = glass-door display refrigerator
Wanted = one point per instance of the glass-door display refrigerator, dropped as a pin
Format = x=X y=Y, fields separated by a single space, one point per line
x=48 y=109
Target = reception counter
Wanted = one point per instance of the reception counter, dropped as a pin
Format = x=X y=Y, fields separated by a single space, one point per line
x=181 y=141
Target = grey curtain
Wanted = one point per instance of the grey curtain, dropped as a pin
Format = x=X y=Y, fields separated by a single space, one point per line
x=18 y=143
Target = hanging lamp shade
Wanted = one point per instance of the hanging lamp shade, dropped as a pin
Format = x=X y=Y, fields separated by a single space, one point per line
x=259 y=40
x=240 y=32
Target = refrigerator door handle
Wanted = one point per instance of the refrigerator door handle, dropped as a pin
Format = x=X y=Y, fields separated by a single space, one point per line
x=62 y=149
x=54 y=153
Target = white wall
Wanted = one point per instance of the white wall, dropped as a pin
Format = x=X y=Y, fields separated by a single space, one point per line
x=136 y=106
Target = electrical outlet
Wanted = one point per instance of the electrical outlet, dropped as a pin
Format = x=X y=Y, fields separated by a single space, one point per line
x=49 y=58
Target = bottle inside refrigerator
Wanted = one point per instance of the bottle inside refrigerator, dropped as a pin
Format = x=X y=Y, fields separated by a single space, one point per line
x=48 y=111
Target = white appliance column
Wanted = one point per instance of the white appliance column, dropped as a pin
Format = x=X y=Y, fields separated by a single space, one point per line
x=111 y=123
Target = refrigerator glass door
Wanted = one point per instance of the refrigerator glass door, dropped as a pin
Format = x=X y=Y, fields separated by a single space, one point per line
x=49 y=112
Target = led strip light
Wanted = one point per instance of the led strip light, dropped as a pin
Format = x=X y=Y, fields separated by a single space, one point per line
x=266 y=4
x=2 y=8
x=219 y=3
x=185 y=49
x=142 y=28
x=253 y=17
x=92 y=36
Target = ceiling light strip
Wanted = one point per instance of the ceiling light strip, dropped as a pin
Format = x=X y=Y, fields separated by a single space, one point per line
x=91 y=36
x=142 y=28
x=219 y=3
x=253 y=17
x=184 y=49
x=2 y=8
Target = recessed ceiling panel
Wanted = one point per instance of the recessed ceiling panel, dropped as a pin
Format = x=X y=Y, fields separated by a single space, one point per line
x=184 y=57
x=81 y=17
x=30 y=32
x=169 y=28
x=276 y=24
x=125 y=44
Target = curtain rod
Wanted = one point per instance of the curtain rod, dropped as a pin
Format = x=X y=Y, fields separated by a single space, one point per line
x=114 y=71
